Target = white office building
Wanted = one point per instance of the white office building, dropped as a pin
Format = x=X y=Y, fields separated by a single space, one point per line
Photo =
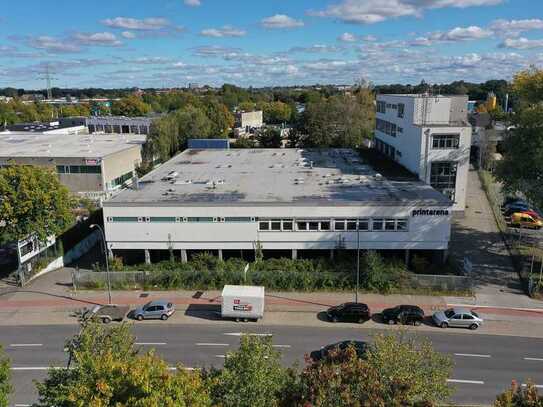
x=276 y=199
x=430 y=136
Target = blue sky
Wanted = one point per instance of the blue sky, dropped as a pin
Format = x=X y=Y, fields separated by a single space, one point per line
x=168 y=43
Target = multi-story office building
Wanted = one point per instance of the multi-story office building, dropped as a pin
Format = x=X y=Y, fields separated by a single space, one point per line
x=430 y=136
x=277 y=199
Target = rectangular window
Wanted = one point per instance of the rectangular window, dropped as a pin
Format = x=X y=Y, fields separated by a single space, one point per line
x=339 y=224
x=401 y=225
x=363 y=224
x=276 y=224
x=401 y=108
x=393 y=130
x=351 y=224
x=200 y=219
x=446 y=141
x=443 y=177
x=124 y=218
x=325 y=225
x=301 y=225
x=313 y=225
x=237 y=219
x=377 y=224
x=74 y=169
x=165 y=219
x=61 y=169
x=263 y=225
x=390 y=224
x=288 y=224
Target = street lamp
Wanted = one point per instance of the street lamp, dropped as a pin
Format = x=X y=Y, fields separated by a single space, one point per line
x=357 y=259
x=103 y=236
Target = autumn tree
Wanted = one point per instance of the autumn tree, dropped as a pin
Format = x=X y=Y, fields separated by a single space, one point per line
x=395 y=371
x=34 y=202
x=520 y=396
x=5 y=386
x=106 y=369
x=252 y=376
x=270 y=138
x=131 y=106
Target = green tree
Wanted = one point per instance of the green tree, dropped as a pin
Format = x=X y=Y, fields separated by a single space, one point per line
x=75 y=110
x=252 y=376
x=276 y=112
x=130 y=106
x=519 y=396
x=222 y=120
x=522 y=166
x=244 y=142
x=107 y=370
x=5 y=386
x=394 y=372
x=270 y=138
x=33 y=202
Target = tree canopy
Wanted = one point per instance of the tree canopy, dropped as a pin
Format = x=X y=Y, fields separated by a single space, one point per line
x=131 y=106
x=5 y=385
x=520 y=396
x=33 y=201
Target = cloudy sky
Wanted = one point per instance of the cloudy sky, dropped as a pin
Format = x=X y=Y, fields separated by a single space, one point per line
x=167 y=43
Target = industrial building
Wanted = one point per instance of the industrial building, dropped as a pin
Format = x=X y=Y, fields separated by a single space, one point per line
x=246 y=122
x=52 y=127
x=95 y=166
x=119 y=124
x=430 y=136
x=275 y=199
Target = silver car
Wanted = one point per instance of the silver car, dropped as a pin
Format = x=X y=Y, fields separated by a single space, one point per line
x=159 y=309
x=457 y=317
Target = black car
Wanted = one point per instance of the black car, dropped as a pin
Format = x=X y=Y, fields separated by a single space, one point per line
x=349 y=312
x=359 y=347
x=404 y=314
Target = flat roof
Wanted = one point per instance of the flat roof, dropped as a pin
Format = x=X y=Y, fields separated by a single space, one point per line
x=38 y=127
x=420 y=95
x=14 y=144
x=273 y=177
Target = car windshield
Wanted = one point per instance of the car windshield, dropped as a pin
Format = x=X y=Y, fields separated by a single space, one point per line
x=474 y=314
x=146 y=306
x=449 y=313
x=170 y=305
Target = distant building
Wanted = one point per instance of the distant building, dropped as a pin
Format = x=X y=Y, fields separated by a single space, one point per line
x=247 y=121
x=430 y=136
x=53 y=127
x=119 y=124
x=486 y=140
x=95 y=166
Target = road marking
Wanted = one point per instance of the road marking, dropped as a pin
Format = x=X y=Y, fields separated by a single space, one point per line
x=539 y=386
x=150 y=343
x=23 y=345
x=535 y=359
x=246 y=333
x=23 y=405
x=495 y=307
x=281 y=346
x=465 y=381
x=37 y=368
x=473 y=355
x=221 y=356
x=211 y=344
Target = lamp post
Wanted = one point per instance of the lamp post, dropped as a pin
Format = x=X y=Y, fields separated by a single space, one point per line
x=357 y=260
x=103 y=236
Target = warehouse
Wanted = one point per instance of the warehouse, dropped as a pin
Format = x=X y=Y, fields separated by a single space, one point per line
x=277 y=200
x=94 y=166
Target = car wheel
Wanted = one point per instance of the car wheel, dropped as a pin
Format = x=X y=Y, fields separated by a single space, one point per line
x=417 y=322
x=391 y=321
x=334 y=319
x=444 y=325
x=361 y=320
x=106 y=320
x=473 y=327
x=164 y=317
x=139 y=317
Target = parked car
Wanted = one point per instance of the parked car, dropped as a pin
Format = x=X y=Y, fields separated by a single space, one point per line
x=359 y=347
x=533 y=213
x=404 y=314
x=524 y=220
x=105 y=313
x=512 y=199
x=508 y=210
x=349 y=312
x=457 y=317
x=159 y=309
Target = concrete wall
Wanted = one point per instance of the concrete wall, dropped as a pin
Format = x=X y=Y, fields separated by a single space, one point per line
x=115 y=165
x=424 y=232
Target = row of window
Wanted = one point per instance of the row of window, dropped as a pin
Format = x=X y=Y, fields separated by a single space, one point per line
x=121 y=180
x=388 y=128
x=443 y=177
x=445 y=141
x=386 y=149
x=283 y=225
x=79 y=169
x=383 y=106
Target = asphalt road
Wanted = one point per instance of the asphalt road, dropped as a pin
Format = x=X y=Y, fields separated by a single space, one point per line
x=484 y=364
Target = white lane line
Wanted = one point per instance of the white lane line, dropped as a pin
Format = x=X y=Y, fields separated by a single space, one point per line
x=535 y=359
x=23 y=405
x=465 y=381
x=472 y=355
x=246 y=333
x=281 y=346
x=23 y=345
x=150 y=343
x=211 y=344
x=539 y=386
x=36 y=368
x=221 y=356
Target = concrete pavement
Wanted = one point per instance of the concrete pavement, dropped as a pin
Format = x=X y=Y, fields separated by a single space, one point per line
x=483 y=365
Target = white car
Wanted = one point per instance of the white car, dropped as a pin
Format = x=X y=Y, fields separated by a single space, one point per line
x=457 y=317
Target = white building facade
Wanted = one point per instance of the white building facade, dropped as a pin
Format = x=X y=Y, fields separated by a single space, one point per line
x=431 y=137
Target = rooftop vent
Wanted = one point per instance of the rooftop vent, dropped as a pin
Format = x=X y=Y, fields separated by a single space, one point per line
x=172 y=175
x=298 y=181
x=183 y=182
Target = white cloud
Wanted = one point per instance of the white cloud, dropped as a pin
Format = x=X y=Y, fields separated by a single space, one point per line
x=129 y=35
x=102 y=38
x=515 y=27
x=456 y=34
x=281 y=21
x=375 y=11
x=369 y=38
x=192 y=3
x=521 y=43
x=347 y=37
x=225 y=31
x=52 y=44
x=317 y=48
x=127 y=23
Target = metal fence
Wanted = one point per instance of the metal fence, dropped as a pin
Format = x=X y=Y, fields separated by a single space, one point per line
x=98 y=279
x=439 y=282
